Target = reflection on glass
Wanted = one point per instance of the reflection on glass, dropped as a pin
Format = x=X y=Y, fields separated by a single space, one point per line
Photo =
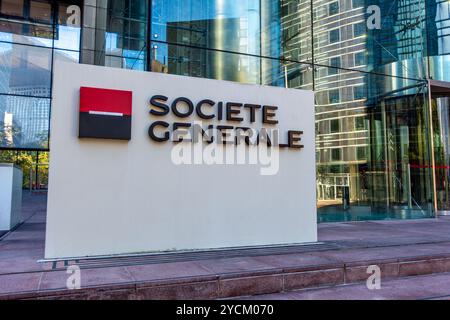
x=120 y=40
x=24 y=122
x=67 y=36
x=26 y=33
x=441 y=117
x=204 y=63
x=198 y=62
x=384 y=164
x=67 y=56
x=12 y=7
x=25 y=70
x=36 y=26
x=218 y=24
x=27 y=39
x=40 y=11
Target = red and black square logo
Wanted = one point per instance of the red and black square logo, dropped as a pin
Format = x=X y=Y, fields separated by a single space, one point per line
x=105 y=113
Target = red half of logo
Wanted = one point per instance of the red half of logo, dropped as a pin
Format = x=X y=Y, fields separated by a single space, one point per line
x=105 y=113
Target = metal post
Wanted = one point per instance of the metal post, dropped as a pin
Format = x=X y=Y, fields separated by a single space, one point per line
x=433 y=164
x=286 y=76
x=31 y=179
x=149 y=35
x=37 y=169
x=311 y=6
x=409 y=186
x=386 y=151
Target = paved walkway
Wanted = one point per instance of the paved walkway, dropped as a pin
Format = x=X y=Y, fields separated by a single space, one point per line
x=347 y=247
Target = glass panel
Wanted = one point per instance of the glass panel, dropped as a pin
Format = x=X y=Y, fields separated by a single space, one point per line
x=12 y=7
x=372 y=146
x=25 y=70
x=26 y=33
x=24 y=122
x=196 y=62
x=40 y=11
x=295 y=23
x=333 y=8
x=286 y=74
x=68 y=56
x=67 y=33
x=133 y=61
x=438 y=39
x=441 y=122
x=188 y=61
x=392 y=33
x=38 y=172
x=225 y=25
x=271 y=28
x=124 y=46
x=126 y=29
x=33 y=26
x=120 y=35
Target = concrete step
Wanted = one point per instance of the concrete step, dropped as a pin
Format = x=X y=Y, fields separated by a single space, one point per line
x=231 y=277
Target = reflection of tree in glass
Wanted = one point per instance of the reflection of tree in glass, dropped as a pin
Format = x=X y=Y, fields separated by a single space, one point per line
x=8 y=134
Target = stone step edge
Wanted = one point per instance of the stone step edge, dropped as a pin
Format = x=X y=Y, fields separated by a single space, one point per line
x=250 y=283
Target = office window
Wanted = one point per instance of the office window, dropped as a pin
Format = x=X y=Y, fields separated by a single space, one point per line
x=28 y=73
x=292 y=7
x=361 y=153
x=360 y=59
x=27 y=18
x=334 y=36
x=334 y=126
x=360 y=123
x=334 y=96
x=41 y=11
x=333 y=8
x=358 y=3
x=336 y=154
x=12 y=7
x=359 y=29
x=359 y=93
x=201 y=20
x=336 y=63
x=295 y=54
x=30 y=32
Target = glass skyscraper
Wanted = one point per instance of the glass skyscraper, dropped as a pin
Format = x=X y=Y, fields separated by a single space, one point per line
x=379 y=70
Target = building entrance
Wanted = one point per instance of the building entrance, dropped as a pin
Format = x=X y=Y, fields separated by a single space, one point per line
x=440 y=102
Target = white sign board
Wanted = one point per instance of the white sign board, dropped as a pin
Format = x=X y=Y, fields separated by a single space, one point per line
x=109 y=196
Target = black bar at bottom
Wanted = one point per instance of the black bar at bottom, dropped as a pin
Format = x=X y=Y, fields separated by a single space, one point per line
x=104 y=126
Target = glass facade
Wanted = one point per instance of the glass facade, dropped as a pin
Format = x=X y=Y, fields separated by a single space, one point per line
x=32 y=33
x=381 y=129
